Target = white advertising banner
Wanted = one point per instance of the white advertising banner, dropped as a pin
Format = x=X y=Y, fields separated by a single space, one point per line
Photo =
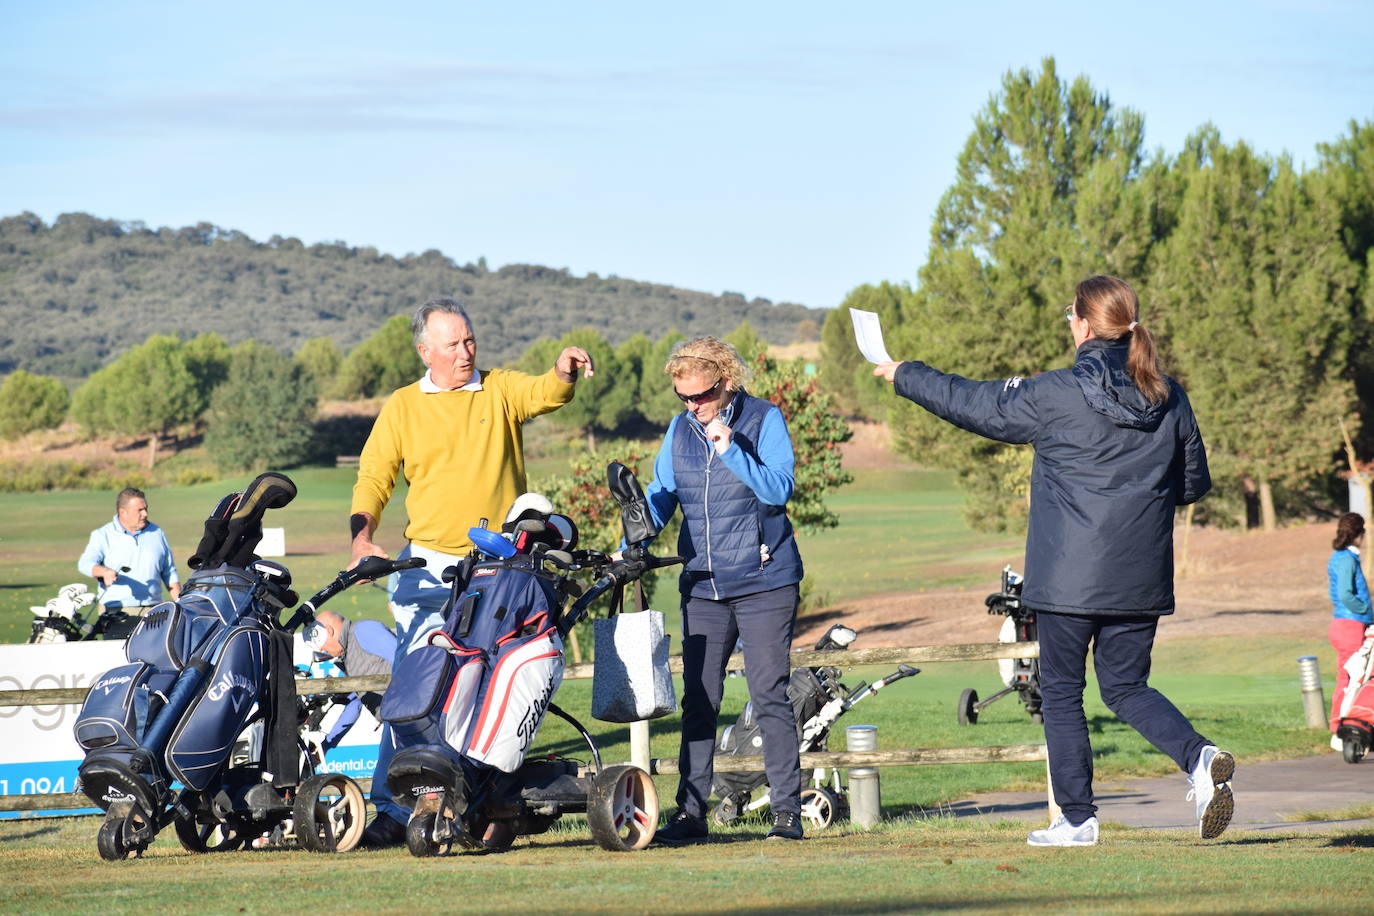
x=39 y=756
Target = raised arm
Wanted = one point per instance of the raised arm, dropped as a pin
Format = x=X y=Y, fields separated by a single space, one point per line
x=1002 y=410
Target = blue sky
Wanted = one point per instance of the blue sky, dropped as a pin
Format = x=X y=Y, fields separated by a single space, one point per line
x=786 y=150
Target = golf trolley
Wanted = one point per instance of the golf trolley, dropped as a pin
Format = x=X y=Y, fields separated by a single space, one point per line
x=819 y=699
x=1355 y=722
x=464 y=709
x=1021 y=675
x=201 y=729
x=61 y=618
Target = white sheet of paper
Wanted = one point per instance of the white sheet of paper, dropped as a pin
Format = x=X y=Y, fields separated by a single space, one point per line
x=868 y=334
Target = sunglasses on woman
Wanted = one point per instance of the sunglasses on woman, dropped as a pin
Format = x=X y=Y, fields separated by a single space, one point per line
x=706 y=395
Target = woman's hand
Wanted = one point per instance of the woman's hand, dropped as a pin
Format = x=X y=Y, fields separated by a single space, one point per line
x=719 y=434
x=887 y=370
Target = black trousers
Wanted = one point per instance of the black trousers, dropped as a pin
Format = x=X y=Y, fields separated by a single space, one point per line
x=1121 y=659
x=763 y=623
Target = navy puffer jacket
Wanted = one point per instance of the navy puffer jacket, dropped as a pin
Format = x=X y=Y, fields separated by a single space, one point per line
x=1110 y=467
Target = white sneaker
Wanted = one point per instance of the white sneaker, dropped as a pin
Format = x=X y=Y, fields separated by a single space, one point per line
x=1211 y=781
x=1337 y=744
x=1062 y=833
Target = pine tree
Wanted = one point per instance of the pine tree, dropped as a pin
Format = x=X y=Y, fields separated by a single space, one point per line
x=1052 y=187
x=148 y=391
x=1252 y=293
x=31 y=402
x=261 y=417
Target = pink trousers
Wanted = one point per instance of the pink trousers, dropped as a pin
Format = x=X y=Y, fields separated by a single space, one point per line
x=1346 y=636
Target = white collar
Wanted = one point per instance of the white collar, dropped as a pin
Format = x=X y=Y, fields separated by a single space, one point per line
x=1353 y=549
x=428 y=387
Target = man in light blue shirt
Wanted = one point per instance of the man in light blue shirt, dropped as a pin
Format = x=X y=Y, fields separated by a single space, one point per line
x=131 y=558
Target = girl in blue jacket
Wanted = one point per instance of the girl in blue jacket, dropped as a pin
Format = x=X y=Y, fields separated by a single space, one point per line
x=1350 y=610
x=1117 y=448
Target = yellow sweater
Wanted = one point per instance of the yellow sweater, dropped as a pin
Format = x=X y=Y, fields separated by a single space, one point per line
x=462 y=454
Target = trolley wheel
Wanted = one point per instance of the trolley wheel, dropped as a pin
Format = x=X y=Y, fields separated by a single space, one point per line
x=622 y=809
x=112 y=841
x=1352 y=750
x=819 y=807
x=968 y=700
x=1037 y=716
x=329 y=814
x=213 y=837
x=420 y=829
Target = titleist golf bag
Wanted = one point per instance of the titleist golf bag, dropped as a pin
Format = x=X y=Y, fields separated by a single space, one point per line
x=197 y=668
x=465 y=708
x=477 y=691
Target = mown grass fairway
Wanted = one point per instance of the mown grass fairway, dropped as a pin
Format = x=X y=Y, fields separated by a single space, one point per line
x=899 y=530
x=907 y=866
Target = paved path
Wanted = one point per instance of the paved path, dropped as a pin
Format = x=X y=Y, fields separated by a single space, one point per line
x=1267 y=794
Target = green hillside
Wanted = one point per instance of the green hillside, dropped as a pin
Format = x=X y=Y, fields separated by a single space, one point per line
x=84 y=289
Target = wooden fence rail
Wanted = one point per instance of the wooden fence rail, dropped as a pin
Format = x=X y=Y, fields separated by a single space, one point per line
x=968 y=652
x=1017 y=753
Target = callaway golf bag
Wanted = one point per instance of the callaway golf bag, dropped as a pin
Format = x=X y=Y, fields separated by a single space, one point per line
x=197 y=669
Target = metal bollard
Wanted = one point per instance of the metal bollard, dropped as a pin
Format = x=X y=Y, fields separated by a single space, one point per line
x=1313 y=703
x=865 y=803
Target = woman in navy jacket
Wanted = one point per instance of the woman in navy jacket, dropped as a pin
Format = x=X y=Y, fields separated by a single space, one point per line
x=726 y=462
x=1117 y=448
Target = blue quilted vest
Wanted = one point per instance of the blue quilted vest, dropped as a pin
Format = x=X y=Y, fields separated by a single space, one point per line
x=724 y=525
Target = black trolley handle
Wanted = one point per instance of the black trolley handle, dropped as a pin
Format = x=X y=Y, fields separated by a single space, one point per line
x=618 y=574
x=368 y=568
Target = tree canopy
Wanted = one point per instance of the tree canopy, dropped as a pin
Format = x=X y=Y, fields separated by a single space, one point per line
x=31 y=402
x=261 y=417
x=1253 y=276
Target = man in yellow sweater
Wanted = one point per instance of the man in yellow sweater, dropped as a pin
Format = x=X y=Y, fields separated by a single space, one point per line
x=457 y=435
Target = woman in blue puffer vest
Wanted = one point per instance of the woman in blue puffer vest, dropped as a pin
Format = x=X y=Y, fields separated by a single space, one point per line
x=1117 y=449
x=1350 y=608
x=727 y=463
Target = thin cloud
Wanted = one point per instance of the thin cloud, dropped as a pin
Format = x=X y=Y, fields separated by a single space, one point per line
x=437 y=98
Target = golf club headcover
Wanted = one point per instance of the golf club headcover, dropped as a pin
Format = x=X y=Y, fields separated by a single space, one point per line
x=527 y=505
x=634 y=508
x=567 y=532
x=215 y=531
x=240 y=533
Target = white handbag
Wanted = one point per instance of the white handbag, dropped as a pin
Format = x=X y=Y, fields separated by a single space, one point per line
x=631 y=680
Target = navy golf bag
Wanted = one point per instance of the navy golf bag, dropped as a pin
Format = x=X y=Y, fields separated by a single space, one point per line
x=464 y=708
x=471 y=699
x=197 y=669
